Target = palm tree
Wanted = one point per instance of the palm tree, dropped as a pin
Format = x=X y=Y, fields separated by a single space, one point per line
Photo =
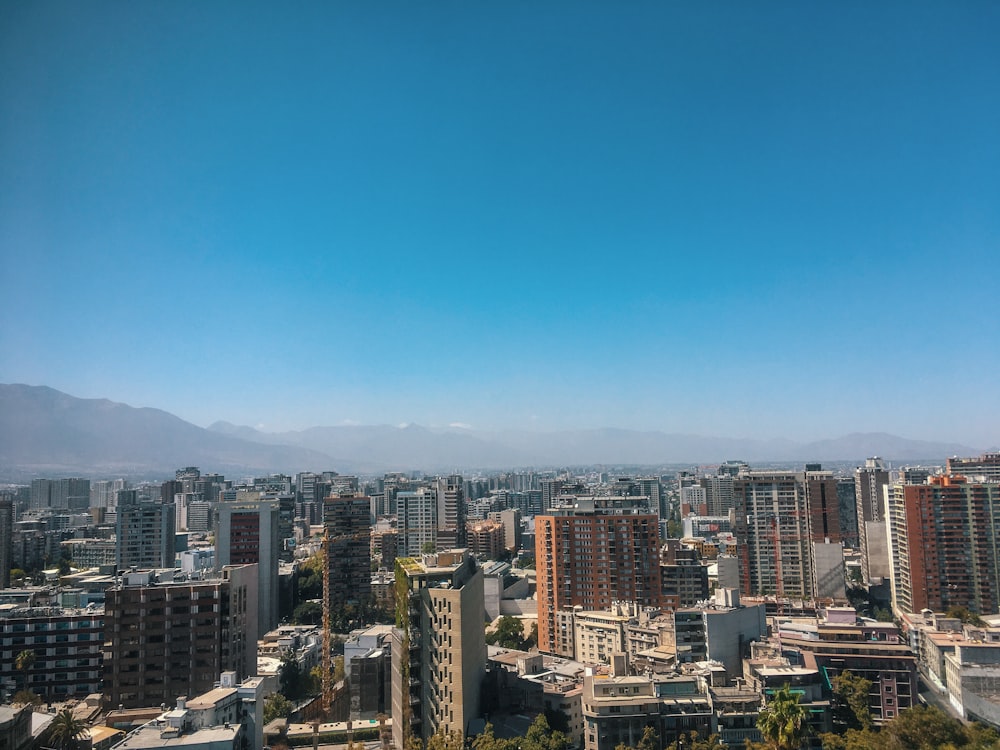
x=66 y=729
x=783 y=721
x=23 y=662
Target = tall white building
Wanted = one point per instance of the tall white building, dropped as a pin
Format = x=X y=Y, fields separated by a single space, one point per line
x=417 y=521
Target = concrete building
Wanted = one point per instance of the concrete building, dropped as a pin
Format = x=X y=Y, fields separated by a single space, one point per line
x=779 y=515
x=165 y=638
x=869 y=483
x=145 y=533
x=368 y=668
x=439 y=657
x=246 y=533
x=347 y=545
x=683 y=577
x=486 y=539
x=417 y=521
x=66 y=644
x=985 y=468
x=174 y=730
x=617 y=709
x=943 y=538
x=451 y=513
x=599 y=551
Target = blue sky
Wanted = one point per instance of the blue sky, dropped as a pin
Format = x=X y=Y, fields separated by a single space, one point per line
x=747 y=219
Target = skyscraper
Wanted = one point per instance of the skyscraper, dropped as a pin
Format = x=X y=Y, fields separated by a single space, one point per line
x=347 y=546
x=451 y=510
x=246 y=532
x=417 y=521
x=145 y=533
x=780 y=515
x=602 y=550
x=869 y=485
x=943 y=539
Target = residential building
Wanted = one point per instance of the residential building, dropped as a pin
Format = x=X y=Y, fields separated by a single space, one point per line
x=417 y=521
x=943 y=536
x=985 y=468
x=164 y=638
x=598 y=551
x=439 y=656
x=869 y=486
x=145 y=533
x=246 y=533
x=779 y=515
x=66 y=646
x=347 y=545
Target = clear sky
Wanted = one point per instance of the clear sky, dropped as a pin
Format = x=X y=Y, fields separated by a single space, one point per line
x=768 y=219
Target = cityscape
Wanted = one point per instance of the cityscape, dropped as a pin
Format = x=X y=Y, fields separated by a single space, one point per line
x=499 y=376
x=570 y=607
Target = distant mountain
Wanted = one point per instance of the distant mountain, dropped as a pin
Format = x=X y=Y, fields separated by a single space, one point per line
x=415 y=447
x=45 y=432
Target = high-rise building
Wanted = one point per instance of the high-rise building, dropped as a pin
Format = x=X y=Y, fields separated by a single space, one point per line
x=162 y=640
x=602 y=550
x=943 y=540
x=780 y=515
x=145 y=532
x=246 y=533
x=985 y=468
x=6 y=539
x=451 y=508
x=347 y=546
x=417 y=521
x=439 y=656
x=869 y=486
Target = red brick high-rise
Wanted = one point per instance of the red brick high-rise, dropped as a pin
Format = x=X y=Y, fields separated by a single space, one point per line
x=602 y=550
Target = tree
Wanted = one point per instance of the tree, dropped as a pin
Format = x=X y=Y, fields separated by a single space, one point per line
x=853 y=739
x=308 y=613
x=23 y=663
x=277 y=706
x=26 y=698
x=66 y=729
x=509 y=633
x=489 y=741
x=965 y=615
x=851 y=692
x=922 y=728
x=650 y=740
x=782 y=721
x=541 y=737
x=712 y=742
x=445 y=740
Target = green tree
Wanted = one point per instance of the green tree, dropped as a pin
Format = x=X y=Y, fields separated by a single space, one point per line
x=277 y=706
x=650 y=740
x=540 y=736
x=922 y=728
x=509 y=633
x=294 y=683
x=23 y=663
x=712 y=742
x=782 y=721
x=852 y=739
x=66 y=730
x=445 y=740
x=489 y=741
x=308 y=613
x=851 y=692
x=965 y=615
x=26 y=698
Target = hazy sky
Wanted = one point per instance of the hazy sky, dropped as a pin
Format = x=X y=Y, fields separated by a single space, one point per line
x=748 y=219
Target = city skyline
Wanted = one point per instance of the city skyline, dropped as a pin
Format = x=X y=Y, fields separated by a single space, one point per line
x=774 y=222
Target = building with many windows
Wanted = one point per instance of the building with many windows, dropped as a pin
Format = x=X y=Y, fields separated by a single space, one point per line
x=165 y=638
x=943 y=538
x=599 y=551
x=439 y=655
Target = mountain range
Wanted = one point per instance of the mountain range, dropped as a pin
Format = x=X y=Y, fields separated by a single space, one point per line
x=44 y=432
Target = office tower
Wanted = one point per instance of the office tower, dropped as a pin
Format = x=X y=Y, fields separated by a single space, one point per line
x=347 y=533
x=439 y=656
x=145 y=533
x=602 y=550
x=246 y=533
x=451 y=509
x=847 y=505
x=165 y=639
x=943 y=541
x=780 y=515
x=985 y=468
x=869 y=483
x=417 y=521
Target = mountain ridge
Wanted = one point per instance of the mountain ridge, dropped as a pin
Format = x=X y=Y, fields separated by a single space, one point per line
x=46 y=430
